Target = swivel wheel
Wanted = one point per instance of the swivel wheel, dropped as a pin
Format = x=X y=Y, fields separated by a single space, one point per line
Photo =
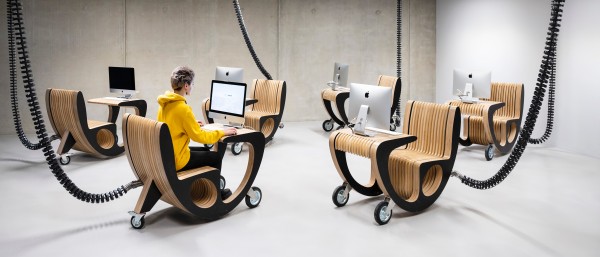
x=392 y=127
x=64 y=160
x=328 y=125
x=222 y=183
x=137 y=224
x=281 y=125
x=382 y=215
x=254 y=201
x=489 y=152
x=236 y=148
x=340 y=197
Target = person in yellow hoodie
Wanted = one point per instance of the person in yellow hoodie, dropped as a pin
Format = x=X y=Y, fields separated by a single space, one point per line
x=183 y=126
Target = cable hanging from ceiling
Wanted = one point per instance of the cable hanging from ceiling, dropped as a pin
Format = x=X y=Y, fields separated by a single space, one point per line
x=240 y=18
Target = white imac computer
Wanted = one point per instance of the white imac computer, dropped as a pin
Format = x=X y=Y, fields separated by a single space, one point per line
x=121 y=80
x=229 y=74
x=227 y=102
x=470 y=86
x=340 y=75
x=371 y=105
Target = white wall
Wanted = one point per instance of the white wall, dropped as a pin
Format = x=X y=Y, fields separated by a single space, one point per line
x=508 y=38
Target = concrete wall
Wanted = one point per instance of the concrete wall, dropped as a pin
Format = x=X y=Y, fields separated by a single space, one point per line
x=72 y=42
x=508 y=37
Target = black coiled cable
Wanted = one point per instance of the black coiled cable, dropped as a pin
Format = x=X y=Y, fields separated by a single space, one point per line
x=16 y=31
x=13 y=87
x=550 y=118
x=240 y=18
x=544 y=75
x=399 y=54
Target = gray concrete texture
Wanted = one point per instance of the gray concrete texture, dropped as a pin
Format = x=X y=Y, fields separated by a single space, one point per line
x=71 y=44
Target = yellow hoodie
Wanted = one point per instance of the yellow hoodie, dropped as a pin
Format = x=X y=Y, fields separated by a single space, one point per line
x=175 y=112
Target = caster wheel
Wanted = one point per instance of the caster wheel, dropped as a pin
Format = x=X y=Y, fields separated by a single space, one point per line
x=381 y=216
x=257 y=197
x=236 y=148
x=64 y=160
x=328 y=125
x=338 y=196
x=222 y=183
x=392 y=127
x=137 y=225
x=281 y=125
x=209 y=146
x=489 y=153
x=464 y=142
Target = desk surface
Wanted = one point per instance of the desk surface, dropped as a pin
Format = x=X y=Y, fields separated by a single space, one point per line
x=114 y=101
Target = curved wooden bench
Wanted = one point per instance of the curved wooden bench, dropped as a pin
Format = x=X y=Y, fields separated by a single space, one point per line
x=411 y=169
x=68 y=117
x=339 y=96
x=495 y=120
x=149 y=150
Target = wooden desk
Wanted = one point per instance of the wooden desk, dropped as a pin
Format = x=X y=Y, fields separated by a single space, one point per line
x=114 y=106
x=339 y=97
x=376 y=148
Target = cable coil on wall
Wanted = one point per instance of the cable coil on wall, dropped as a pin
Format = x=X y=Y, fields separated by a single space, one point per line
x=545 y=76
x=16 y=36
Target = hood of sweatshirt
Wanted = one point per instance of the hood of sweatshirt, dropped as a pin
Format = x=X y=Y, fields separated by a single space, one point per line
x=169 y=97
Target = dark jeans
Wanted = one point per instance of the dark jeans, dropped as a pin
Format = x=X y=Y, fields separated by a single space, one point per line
x=202 y=156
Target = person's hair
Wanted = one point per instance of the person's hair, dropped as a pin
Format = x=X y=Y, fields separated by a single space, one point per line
x=180 y=76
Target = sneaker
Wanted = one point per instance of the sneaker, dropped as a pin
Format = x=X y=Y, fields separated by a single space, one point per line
x=225 y=193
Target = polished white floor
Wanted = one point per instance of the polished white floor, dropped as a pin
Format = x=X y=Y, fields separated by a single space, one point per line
x=549 y=206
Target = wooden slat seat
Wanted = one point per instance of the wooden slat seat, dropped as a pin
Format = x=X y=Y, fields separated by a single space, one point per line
x=495 y=120
x=149 y=149
x=411 y=168
x=265 y=115
x=68 y=117
x=418 y=172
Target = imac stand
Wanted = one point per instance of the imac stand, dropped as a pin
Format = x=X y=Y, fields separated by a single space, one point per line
x=361 y=121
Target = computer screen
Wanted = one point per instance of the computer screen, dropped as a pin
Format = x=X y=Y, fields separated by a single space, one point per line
x=340 y=74
x=379 y=100
x=479 y=83
x=227 y=101
x=229 y=74
x=121 y=80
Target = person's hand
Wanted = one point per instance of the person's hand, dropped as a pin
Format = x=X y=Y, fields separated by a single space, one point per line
x=200 y=123
x=230 y=131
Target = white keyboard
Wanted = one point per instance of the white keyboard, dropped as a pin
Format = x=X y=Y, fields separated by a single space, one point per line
x=469 y=100
x=383 y=131
x=213 y=126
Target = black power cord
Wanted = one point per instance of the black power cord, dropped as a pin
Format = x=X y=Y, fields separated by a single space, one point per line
x=546 y=73
x=16 y=36
x=238 y=13
x=398 y=55
x=550 y=118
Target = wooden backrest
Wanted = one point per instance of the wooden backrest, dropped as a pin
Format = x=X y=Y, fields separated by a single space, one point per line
x=433 y=124
x=270 y=95
x=395 y=83
x=512 y=95
x=66 y=111
x=149 y=150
